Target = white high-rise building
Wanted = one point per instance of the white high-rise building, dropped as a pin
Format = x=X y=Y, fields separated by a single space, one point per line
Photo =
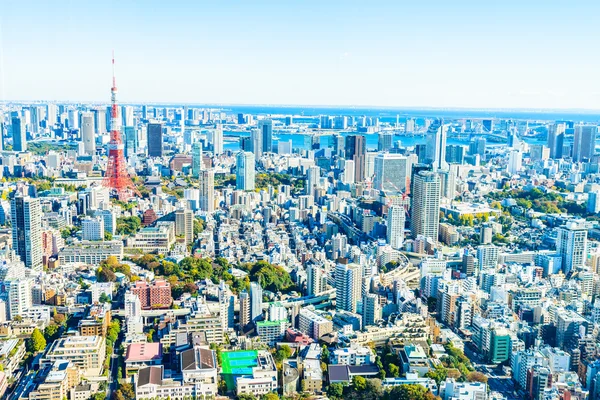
x=244 y=309
x=571 y=244
x=133 y=314
x=487 y=255
x=207 y=190
x=515 y=162
x=92 y=229
x=218 y=140
x=127 y=116
x=584 y=142
x=18 y=296
x=314 y=276
x=313 y=177
x=245 y=170
x=226 y=306
x=348 y=286
x=391 y=171
x=51 y=114
x=349 y=172
x=255 y=301
x=256 y=139
x=277 y=312
x=73 y=117
x=436 y=144
x=395 y=226
x=425 y=210
x=184 y=224
x=109 y=218
x=371 y=309
x=88 y=136
x=197 y=166
x=26 y=220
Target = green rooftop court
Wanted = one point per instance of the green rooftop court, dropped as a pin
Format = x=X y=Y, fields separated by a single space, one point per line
x=236 y=364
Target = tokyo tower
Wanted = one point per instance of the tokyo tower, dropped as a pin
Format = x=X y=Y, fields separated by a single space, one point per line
x=116 y=177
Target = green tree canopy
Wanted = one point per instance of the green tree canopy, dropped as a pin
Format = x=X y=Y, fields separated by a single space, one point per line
x=36 y=342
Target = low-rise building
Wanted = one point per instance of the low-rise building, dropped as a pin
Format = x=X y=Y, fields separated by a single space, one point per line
x=354 y=355
x=140 y=355
x=92 y=253
x=85 y=352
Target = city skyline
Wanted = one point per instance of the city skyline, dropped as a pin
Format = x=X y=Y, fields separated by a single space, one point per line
x=463 y=55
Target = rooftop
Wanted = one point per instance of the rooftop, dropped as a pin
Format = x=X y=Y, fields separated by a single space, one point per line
x=143 y=352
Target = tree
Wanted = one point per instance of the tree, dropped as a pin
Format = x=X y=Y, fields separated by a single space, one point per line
x=37 y=342
x=477 y=377
x=270 y=396
x=50 y=332
x=59 y=319
x=409 y=392
x=99 y=396
x=394 y=370
x=104 y=298
x=105 y=274
x=127 y=390
x=108 y=236
x=283 y=353
x=359 y=383
x=244 y=396
x=335 y=390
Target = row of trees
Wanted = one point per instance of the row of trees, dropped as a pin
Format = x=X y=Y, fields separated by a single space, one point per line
x=371 y=389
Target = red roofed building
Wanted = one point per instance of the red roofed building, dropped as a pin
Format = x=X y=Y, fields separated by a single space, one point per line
x=140 y=355
x=154 y=295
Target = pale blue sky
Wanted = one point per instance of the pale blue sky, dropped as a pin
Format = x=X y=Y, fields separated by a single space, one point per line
x=508 y=54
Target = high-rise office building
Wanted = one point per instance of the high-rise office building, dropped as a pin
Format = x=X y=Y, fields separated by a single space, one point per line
x=265 y=126
x=245 y=170
x=218 y=140
x=385 y=141
x=100 y=116
x=35 y=114
x=256 y=139
x=92 y=229
x=207 y=190
x=131 y=140
x=515 y=162
x=73 y=119
x=455 y=154
x=127 y=116
x=197 y=159
x=571 y=244
x=256 y=294
x=184 y=224
x=155 y=140
x=391 y=172
x=355 y=150
x=556 y=139
x=313 y=176
x=18 y=296
x=88 y=136
x=18 y=134
x=348 y=286
x=396 y=220
x=51 y=114
x=425 y=210
x=436 y=144
x=26 y=214
x=584 y=142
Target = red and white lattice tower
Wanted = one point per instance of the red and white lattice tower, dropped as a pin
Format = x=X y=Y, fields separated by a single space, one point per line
x=116 y=177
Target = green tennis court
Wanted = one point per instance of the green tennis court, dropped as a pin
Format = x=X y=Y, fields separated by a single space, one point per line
x=236 y=364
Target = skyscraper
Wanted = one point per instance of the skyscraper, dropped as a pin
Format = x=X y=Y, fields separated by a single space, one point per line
x=218 y=140
x=131 y=140
x=35 y=112
x=391 y=172
x=584 y=142
x=265 y=126
x=18 y=134
x=425 y=210
x=26 y=214
x=88 y=136
x=207 y=190
x=348 y=286
x=436 y=144
x=127 y=115
x=571 y=244
x=395 y=226
x=255 y=301
x=196 y=159
x=155 y=140
x=556 y=139
x=100 y=116
x=245 y=170
x=355 y=150
x=52 y=111
x=184 y=224
x=385 y=141
x=244 y=309
x=313 y=175
x=256 y=139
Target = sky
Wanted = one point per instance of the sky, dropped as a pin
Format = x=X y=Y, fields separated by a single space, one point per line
x=424 y=53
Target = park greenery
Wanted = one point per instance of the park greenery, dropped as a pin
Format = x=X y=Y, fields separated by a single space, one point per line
x=183 y=275
x=128 y=225
x=454 y=365
x=545 y=202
